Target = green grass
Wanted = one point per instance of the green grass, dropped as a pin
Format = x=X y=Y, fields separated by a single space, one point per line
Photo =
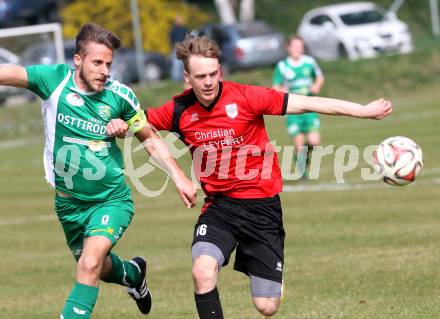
x=369 y=253
x=360 y=253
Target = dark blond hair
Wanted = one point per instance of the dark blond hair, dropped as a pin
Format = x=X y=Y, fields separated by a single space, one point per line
x=195 y=45
x=91 y=32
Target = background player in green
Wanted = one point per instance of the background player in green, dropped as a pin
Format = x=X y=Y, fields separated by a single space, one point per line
x=84 y=164
x=300 y=74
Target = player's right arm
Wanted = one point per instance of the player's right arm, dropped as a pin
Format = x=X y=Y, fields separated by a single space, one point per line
x=319 y=78
x=13 y=75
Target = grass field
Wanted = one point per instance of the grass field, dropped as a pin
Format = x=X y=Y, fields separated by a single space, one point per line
x=360 y=250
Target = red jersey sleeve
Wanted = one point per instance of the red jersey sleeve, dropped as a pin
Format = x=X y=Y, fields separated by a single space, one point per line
x=161 y=118
x=265 y=101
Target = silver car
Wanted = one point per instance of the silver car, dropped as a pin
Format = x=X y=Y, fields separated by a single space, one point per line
x=246 y=44
x=354 y=30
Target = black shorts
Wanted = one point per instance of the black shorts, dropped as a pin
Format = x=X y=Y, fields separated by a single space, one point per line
x=254 y=226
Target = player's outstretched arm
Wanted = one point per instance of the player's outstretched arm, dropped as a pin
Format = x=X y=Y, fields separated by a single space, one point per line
x=158 y=150
x=377 y=109
x=13 y=75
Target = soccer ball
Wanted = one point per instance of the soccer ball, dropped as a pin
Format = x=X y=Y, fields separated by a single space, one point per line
x=398 y=160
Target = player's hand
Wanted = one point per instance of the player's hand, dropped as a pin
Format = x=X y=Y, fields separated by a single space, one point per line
x=379 y=109
x=117 y=127
x=187 y=191
x=315 y=88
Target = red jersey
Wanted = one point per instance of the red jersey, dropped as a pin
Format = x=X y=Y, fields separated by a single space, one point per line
x=231 y=151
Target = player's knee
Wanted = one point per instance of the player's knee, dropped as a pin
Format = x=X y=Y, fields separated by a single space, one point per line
x=89 y=265
x=266 y=306
x=202 y=274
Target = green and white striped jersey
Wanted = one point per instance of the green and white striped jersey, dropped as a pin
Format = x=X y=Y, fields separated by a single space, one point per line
x=79 y=158
x=296 y=76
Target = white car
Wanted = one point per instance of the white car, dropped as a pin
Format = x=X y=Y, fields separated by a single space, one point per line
x=354 y=30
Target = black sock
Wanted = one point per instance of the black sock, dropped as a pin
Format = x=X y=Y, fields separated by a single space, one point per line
x=208 y=305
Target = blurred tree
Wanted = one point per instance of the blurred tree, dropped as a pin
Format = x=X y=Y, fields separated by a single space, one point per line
x=156 y=16
x=226 y=8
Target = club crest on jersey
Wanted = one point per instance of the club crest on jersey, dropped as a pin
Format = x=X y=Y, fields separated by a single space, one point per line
x=194 y=117
x=231 y=110
x=104 y=111
x=74 y=99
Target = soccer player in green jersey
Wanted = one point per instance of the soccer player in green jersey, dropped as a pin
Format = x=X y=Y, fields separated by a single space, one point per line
x=300 y=74
x=84 y=164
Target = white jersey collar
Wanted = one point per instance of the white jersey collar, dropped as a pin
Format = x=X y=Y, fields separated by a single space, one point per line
x=293 y=62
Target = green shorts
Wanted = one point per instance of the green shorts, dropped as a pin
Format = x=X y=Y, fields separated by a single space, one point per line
x=302 y=123
x=81 y=219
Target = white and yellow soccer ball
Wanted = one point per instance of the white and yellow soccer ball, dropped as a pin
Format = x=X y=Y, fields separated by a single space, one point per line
x=398 y=160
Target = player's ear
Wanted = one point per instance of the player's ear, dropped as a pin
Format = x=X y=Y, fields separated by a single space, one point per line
x=77 y=60
x=186 y=76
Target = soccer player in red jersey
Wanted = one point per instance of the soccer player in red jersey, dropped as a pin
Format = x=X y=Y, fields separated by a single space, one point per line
x=222 y=123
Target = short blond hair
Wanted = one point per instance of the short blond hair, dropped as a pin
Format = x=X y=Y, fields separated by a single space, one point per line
x=196 y=45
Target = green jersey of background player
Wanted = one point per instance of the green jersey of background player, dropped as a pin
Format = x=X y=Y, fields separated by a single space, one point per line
x=300 y=74
x=84 y=164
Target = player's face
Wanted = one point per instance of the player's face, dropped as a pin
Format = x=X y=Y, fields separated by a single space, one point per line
x=93 y=67
x=296 y=48
x=203 y=76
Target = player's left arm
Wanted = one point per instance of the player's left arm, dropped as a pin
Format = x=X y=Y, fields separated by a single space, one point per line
x=158 y=150
x=317 y=84
x=319 y=78
x=298 y=104
x=136 y=122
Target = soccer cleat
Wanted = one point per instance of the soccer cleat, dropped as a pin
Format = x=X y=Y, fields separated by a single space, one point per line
x=141 y=294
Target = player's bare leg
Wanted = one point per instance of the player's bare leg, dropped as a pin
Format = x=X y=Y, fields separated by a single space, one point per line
x=266 y=295
x=204 y=273
x=267 y=306
x=84 y=293
x=91 y=262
